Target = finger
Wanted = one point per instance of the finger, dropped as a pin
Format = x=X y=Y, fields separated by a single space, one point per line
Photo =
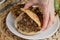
x=45 y=21
x=51 y=20
x=29 y=4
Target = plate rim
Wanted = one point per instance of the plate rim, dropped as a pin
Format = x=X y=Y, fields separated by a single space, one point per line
x=2 y=1
x=34 y=38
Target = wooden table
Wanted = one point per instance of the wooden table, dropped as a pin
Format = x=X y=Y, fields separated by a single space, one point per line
x=5 y=33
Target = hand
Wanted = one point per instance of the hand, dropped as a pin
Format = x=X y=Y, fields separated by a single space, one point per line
x=47 y=9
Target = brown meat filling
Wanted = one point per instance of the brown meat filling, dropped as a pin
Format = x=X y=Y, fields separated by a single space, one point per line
x=26 y=23
x=16 y=10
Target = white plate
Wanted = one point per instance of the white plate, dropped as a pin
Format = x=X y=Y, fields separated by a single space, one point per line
x=44 y=34
x=2 y=1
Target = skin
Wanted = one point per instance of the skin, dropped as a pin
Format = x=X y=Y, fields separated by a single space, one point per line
x=47 y=9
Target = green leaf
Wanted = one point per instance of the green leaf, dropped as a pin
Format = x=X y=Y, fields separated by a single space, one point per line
x=56 y=5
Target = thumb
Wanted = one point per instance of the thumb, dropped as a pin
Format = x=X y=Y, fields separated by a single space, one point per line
x=29 y=4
